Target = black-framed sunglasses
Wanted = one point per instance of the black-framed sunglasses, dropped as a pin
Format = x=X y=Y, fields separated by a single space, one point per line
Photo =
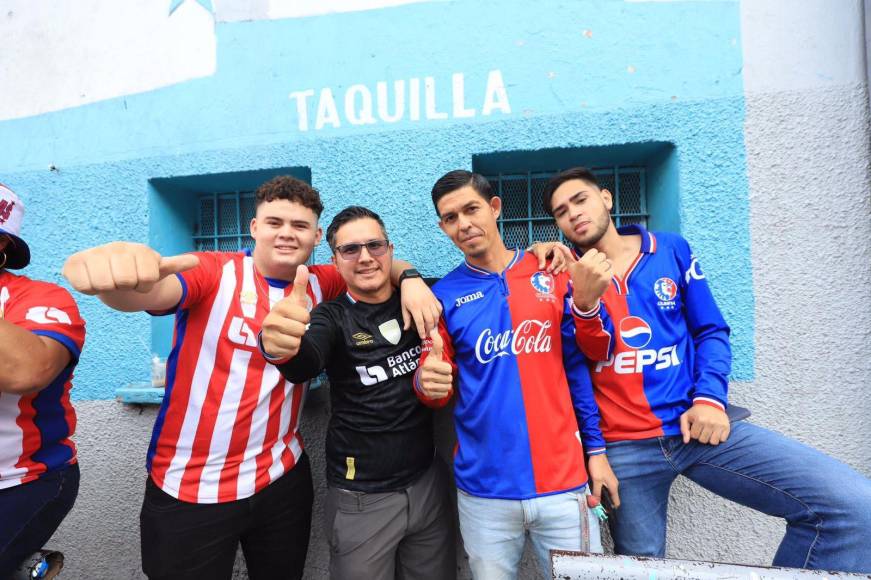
x=374 y=247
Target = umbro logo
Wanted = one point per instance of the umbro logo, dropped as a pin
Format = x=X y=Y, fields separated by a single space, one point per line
x=469 y=298
x=362 y=339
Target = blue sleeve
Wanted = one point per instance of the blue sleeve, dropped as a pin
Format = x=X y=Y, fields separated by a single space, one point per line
x=709 y=331
x=581 y=387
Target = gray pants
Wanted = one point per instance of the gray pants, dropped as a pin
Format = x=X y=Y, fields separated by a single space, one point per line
x=406 y=535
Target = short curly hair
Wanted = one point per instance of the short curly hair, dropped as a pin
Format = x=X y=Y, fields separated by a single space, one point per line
x=291 y=189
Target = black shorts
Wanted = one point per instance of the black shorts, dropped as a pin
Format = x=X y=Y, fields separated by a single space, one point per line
x=182 y=540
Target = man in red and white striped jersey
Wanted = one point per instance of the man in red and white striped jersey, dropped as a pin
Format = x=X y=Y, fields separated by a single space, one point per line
x=41 y=337
x=226 y=461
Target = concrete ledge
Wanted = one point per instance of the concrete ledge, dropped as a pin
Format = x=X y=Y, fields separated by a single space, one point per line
x=140 y=394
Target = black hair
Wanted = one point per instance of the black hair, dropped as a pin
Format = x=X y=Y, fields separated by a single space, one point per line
x=554 y=182
x=456 y=179
x=291 y=189
x=350 y=214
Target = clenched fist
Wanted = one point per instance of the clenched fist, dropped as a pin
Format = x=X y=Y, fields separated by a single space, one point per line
x=436 y=375
x=590 y=278
x=285 y=325
x=122 y=266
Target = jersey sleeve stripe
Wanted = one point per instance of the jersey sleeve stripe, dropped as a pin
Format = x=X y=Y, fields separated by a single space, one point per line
x=68 y=342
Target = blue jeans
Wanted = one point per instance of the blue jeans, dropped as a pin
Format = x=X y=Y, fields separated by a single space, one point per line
x=31 y=512
x=826 y=504
x=494 y=530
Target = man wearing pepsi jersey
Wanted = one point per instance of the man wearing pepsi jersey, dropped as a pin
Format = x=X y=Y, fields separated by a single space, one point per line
x=660 y=361
x=505 y=336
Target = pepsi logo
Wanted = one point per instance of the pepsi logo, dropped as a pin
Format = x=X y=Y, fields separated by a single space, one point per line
x=635 y=332
x=665 y=289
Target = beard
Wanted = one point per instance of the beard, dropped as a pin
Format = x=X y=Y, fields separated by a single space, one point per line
x=591 y=238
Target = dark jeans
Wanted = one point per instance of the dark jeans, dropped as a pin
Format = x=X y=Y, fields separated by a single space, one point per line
x=182 y=540
x=31 y=512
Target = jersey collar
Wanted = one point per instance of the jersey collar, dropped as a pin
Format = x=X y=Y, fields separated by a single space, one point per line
x=518 y=255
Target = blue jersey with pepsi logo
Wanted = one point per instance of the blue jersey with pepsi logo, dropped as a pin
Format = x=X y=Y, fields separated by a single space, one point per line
x=657 y=342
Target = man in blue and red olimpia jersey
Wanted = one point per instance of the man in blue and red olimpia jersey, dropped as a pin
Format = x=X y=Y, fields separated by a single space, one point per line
x=660 y=360
x=523 y=428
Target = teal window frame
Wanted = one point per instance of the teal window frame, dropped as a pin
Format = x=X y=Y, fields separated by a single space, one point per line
x=174 y=218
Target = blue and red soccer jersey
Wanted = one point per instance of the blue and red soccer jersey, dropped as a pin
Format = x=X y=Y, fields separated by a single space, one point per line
x=516 y=413
x=657 y=342
x=35 y=428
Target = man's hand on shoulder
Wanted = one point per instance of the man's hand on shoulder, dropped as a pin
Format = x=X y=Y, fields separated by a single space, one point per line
x=419 y=306
x=285 y=325
x=705 y=423
x=436 y=374
x=559 y=254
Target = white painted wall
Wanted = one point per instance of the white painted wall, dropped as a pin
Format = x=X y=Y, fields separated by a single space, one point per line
x=807 y=146
x=119 y=48
x=122 y=47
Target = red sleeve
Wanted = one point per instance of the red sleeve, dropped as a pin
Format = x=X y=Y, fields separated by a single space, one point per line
x=426 y=347
x=47 y=310
x=331 y=282
x=593 y=330
x=200 y=282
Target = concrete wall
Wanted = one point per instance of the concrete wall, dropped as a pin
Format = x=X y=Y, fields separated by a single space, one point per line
x=763 y=105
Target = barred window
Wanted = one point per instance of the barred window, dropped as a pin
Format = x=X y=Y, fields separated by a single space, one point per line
x=524 y=219
x=222 y=221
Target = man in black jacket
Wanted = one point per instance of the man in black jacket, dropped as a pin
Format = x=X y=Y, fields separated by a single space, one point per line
x=387 y=503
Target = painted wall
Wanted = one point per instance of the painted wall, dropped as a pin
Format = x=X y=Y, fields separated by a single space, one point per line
x=752 y=118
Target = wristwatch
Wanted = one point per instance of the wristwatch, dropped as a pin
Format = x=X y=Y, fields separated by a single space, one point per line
x=409 y=273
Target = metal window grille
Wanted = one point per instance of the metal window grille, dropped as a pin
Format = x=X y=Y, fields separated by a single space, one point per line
x=222 y=221
x=524 y=219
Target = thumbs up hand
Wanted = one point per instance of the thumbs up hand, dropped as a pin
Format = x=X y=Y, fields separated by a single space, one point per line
x=285 y=325
x=436 y=375
x=122 y=266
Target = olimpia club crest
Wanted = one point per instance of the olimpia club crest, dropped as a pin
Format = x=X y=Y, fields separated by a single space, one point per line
x=666 y=292
x=543 y=284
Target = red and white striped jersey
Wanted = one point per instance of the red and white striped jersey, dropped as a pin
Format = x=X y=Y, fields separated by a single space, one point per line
x=35 y=429
x=228 y=424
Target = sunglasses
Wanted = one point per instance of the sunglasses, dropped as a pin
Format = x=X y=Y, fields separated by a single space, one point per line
x=374 y=247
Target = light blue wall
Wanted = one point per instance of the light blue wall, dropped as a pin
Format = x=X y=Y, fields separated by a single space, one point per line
x=566 y=90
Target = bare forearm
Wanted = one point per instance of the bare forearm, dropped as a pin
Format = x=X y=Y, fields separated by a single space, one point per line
x=164 y=295
x=29 y=362
x=396 y=270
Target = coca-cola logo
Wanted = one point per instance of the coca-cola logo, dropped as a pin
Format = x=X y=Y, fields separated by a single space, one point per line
x=530 y=336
